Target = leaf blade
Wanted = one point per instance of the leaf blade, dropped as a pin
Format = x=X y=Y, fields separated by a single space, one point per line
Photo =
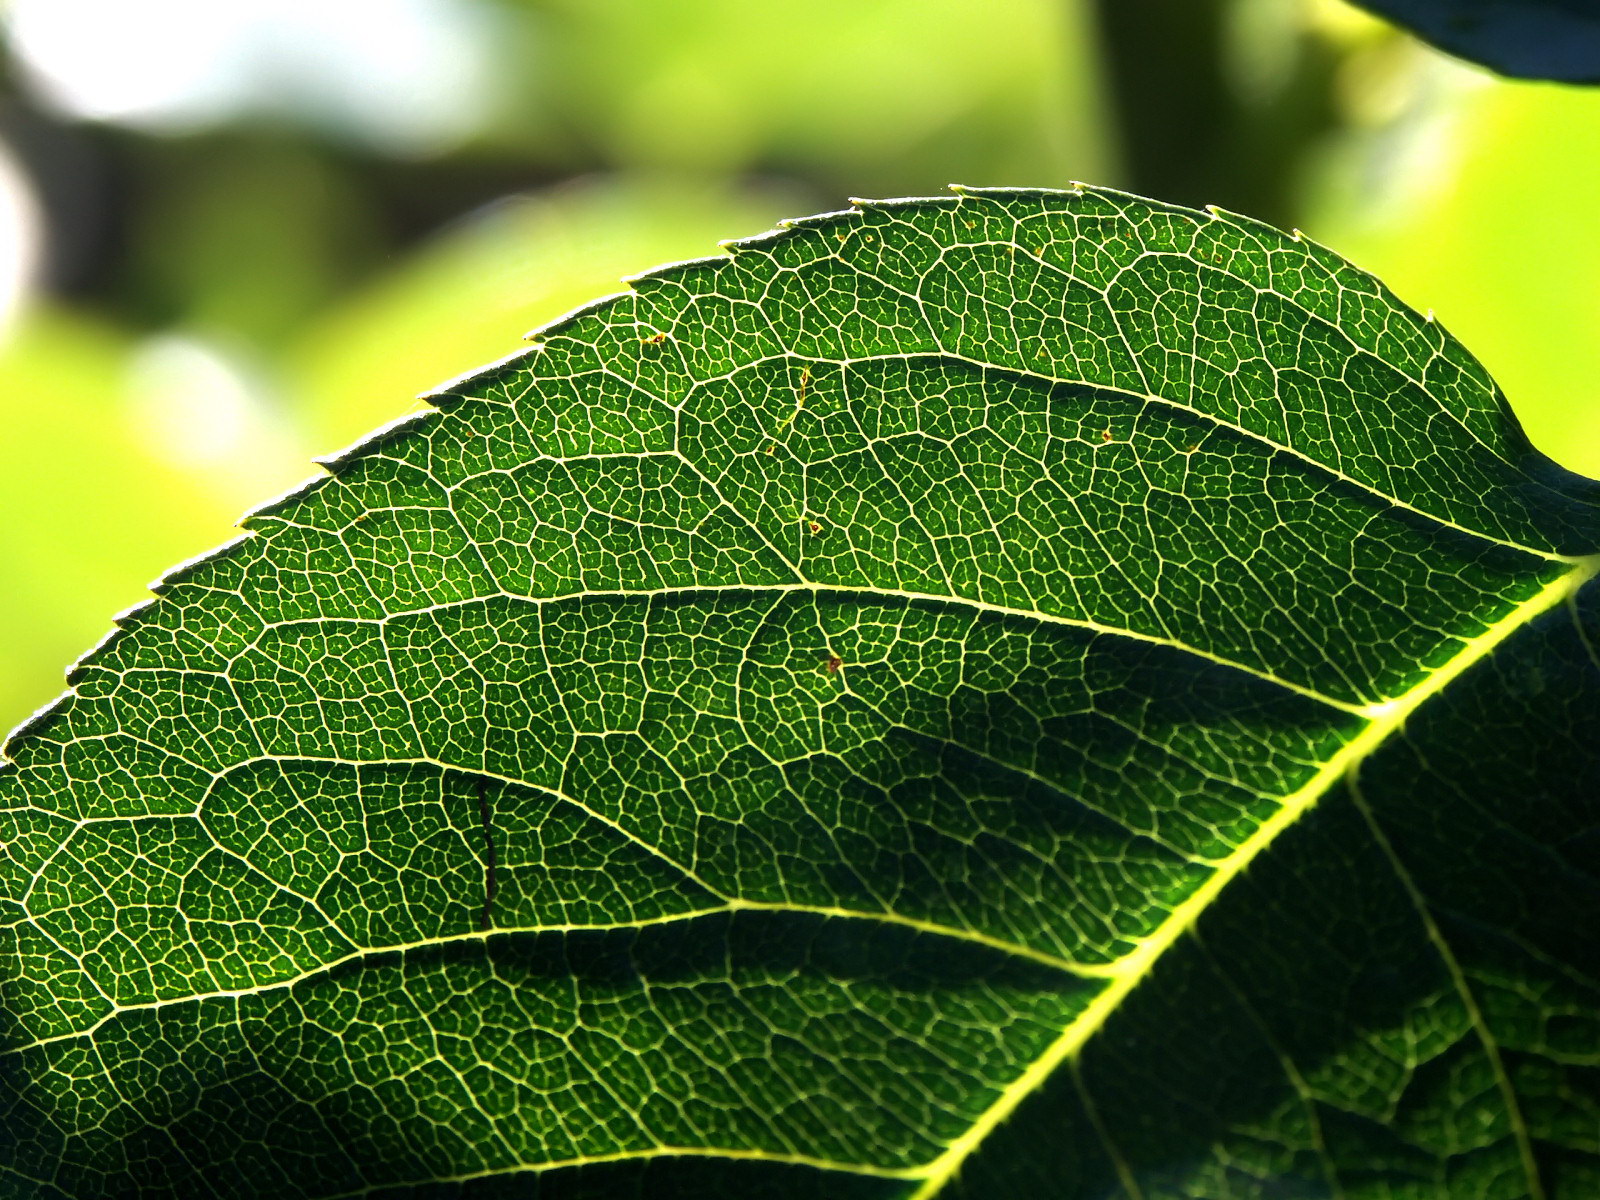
x=761 y=601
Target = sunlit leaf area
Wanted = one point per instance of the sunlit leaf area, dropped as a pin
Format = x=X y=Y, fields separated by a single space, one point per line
x=825 y=722
x=234 y=237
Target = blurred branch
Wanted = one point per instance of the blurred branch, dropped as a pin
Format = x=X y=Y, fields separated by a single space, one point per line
x=1190 y=132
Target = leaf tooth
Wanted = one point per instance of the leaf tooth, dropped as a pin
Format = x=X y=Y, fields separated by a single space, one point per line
x=820 y=221
x=187 y=569
x=340 y=461
x=645 y=282
x=36 y=721
x=968 y=191
x=123 y=623
x=759 y=241
x=550 y=329
x=128 y=618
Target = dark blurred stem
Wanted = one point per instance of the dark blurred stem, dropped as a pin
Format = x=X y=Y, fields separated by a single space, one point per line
x=1163 y=69
x=1187 y=133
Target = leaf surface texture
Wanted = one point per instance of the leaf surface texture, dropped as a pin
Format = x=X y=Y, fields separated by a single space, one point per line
x=1013 y=694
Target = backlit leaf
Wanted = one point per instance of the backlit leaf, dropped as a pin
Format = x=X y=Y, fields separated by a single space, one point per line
x=1010 y=695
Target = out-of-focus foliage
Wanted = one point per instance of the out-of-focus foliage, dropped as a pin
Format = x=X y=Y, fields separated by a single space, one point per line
x=97 y=502
x=238 y=280
x=1532 y=39
x=896 y=95
x=1500 y=236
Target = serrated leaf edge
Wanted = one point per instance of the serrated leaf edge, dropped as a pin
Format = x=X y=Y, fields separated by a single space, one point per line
x=1385 y=718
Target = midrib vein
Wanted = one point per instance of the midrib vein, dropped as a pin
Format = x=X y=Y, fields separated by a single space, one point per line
x=1136 y=967
x=1121 y=976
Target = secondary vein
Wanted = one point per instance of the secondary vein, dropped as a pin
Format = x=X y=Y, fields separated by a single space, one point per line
x=1138 y=965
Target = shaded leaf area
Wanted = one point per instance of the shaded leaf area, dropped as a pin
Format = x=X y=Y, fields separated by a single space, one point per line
x=753 y=739
x=1530 y=39
x=432 y=1061
x=662 y=1179
x=1402 y=998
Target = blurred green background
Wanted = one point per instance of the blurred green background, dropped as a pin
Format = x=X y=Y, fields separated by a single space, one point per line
x=234 y=236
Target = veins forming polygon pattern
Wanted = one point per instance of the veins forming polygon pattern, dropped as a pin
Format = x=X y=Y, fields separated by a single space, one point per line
x=973 y=696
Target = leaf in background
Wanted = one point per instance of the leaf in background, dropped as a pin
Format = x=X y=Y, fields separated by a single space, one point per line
x=97 y=501
x=802 y=729
x=1532 y=39
x=1526 y=302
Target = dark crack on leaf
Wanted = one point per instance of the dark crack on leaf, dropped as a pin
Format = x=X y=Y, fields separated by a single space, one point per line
x=490 y=884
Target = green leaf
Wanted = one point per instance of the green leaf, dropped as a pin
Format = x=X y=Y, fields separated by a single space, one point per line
x=1017 y=694
x=1529 y=39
